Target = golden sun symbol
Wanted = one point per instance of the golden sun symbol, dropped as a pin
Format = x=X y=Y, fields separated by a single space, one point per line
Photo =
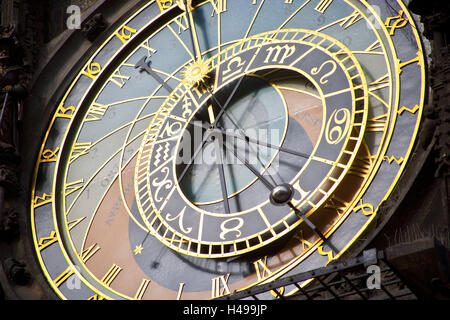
x=196 y=72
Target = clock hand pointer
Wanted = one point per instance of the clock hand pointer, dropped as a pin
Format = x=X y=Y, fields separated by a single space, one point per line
x=255 y=171
x=143 y=65
x=271 y=188
x=219 y=163
x=208 y=133
x=262 y=143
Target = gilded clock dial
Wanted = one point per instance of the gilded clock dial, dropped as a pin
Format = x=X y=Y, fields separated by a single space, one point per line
x=207 y=148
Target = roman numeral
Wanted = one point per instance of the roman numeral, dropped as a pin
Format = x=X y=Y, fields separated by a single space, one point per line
x=337 y=204
x=96 y=112
x=374 y=46
x=182 y=23
x=349 y=21
x=150 y=50
x=219 y=6
x=80 y=149
x=118 y=79
x=377 y=124
x=73 y=187
x=63 y=276
x=89 y=252
x=323 y=5
x=262 y=271
x=380 y=83
x=142 y=288
x=180 y=290
x=111 y=275
x=220 y=286
x=361 y=166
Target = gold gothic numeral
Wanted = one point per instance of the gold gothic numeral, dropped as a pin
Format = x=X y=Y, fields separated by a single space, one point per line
x=45 y=242
x=328 y=254
x=49 y=155
x=96 y=297
x=323 y=5
x=366 y=208
x=410 y=110
x=220 y=286
x=397 y=22
x=393 y=158
x=66 y=113
x=43 y=200
x=92 y=70
x=125 y=34
x=111 y=275
x=401 y=65
x=164 y=4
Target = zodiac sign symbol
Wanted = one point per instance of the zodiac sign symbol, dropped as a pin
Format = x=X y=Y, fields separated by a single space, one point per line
x=159 y=184
x=236 y=228
x=316 y=71
x=335 y=135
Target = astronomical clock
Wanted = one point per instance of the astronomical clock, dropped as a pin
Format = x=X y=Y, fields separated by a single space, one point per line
x=206 y=147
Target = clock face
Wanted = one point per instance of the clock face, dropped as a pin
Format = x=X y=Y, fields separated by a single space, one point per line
x=210 y=147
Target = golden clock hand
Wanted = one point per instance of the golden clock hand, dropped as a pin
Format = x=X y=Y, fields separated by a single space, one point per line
x=212 y=118
x=187 y=7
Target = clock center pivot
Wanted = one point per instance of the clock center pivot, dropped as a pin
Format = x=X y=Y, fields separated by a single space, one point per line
x=281 y=194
